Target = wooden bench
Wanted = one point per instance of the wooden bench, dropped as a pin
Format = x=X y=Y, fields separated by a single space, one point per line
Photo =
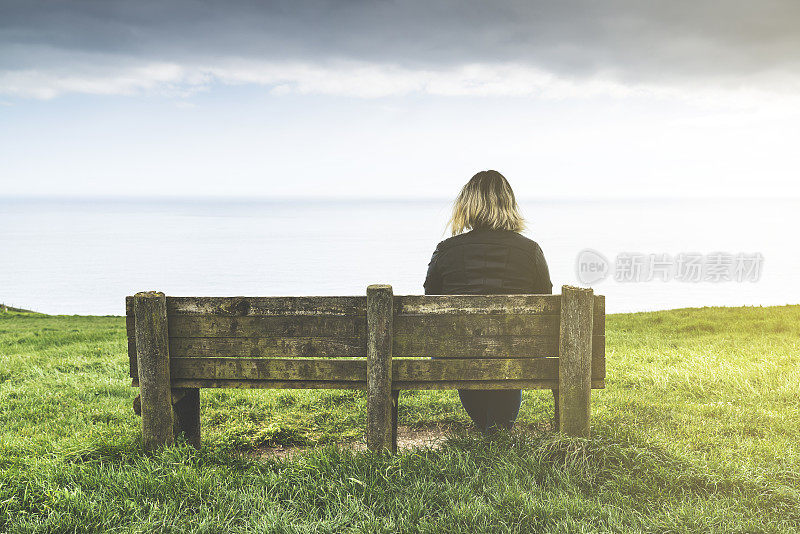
x=381 y=343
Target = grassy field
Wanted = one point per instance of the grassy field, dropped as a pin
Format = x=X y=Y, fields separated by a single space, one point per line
x=697 y=431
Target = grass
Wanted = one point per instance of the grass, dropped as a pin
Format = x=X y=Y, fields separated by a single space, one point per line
x=696 y=431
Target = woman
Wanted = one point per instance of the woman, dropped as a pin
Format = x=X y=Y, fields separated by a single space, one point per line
x=491 y=258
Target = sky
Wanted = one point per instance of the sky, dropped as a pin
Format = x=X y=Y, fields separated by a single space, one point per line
x=399 y=99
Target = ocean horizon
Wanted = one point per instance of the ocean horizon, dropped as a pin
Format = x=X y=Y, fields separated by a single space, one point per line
x=84 y=255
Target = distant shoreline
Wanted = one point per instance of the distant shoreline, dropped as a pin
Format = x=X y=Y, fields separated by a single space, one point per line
x=4 y=308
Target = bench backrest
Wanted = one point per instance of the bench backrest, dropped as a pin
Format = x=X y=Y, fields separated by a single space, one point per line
x=477 y=341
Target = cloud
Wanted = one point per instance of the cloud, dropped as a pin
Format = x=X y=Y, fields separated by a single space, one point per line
x=383 y=48
x=343 y=78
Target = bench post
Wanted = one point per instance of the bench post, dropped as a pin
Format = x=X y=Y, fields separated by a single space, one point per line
x=379 y=368
x=152 y=354
x=575 y=361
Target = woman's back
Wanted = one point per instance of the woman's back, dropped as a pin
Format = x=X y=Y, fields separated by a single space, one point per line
x=485 y=261
x=492 y=258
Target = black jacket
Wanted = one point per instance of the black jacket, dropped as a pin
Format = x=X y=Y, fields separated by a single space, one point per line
x=484 y=262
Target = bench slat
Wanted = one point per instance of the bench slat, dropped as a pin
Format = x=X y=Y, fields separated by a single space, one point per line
x=329 y=384
x=349 y=326
x=180 y=348
x=415 y=346
x=485 y=384
x=268 y=369
x=266 y=306
x=403 y=305
x=403 y=347
x=459 y=326
x=475 y=369
x=356 y=370
x=294 y=347
x=423 y=326
x=476 y=304
x=330 y=326
x=267 y=347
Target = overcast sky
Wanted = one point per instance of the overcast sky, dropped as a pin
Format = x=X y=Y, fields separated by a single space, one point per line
x=400 y=99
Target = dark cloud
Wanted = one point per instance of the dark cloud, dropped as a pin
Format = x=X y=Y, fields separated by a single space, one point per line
x=634 y=41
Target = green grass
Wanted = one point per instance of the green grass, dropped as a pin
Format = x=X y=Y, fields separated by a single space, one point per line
x=696 y=431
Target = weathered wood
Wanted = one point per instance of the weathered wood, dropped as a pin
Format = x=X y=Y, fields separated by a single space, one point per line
x=379 y=367
x=186 y=347
x=404 y=346
x=484 y=384
x=475 y=347
x=476 y=304
x=307 y=318
x=186 y=413
x=599 y=315
x=356 y=305
x=319 y=326
x=599 y=338
x=269 y=369
x=479 y=341
x=362 y=385
x=598 y=357
x=275 y=348
x=474 y=369
x=298 y=347
x=263 y=384
x=418 y=346
x=456 y=326
x=410 y=370
x=199 y=364
x=266 y=306
x=355 y=326
x=152 y=351
x=575 y=360
x=130 y=327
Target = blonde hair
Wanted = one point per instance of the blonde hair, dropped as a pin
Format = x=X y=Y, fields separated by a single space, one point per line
x=486 y=202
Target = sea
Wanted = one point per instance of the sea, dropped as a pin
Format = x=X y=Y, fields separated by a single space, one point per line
x=83 y=256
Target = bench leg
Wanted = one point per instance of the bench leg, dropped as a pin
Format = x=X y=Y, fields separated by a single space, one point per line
x=575 y=361
x=556 y=416
x=379 y=368
x=187 y=414
x=152 y=355
x=395 y=407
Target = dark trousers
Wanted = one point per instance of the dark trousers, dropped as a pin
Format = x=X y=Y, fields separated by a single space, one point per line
x=491 y=410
